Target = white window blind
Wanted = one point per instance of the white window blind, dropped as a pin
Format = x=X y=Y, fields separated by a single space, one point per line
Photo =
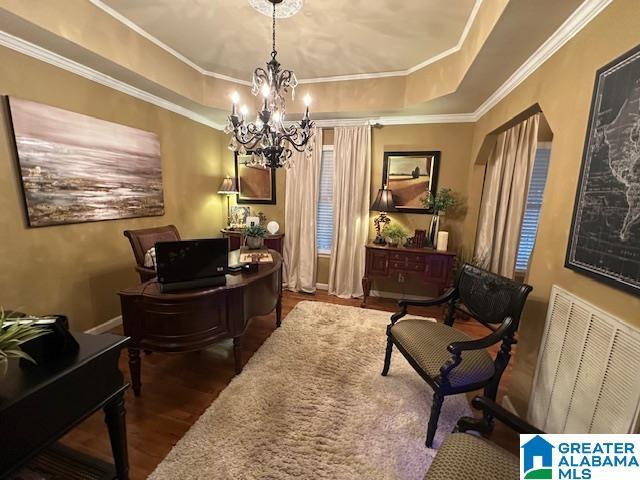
x=534 y=205
x=324 y=226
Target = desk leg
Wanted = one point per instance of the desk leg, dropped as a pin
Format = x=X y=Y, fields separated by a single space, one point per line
x=115 y=420
x=134 y=368
x=366 y=288
x=279 y=304
x=279 y=312
x=237 y=354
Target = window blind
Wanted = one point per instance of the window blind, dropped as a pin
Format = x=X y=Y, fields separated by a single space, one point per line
x=534 y=205
x=324 y=226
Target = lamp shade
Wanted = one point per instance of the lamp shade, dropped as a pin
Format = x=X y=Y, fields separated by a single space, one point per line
x=228 y=186
x=383 y=201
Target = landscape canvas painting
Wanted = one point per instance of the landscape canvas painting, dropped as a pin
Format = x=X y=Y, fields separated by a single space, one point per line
x=605 y=234
x=409 y=176
x=75 y=168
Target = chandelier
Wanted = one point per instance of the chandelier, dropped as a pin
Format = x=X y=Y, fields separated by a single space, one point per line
x=268 y=138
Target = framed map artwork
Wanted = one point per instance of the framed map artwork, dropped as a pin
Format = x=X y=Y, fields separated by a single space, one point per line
x=605 y=233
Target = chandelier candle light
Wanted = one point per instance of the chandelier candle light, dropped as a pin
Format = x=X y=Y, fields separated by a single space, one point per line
x=268 y=138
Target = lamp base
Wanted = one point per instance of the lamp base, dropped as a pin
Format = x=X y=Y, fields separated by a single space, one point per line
x=379 y=240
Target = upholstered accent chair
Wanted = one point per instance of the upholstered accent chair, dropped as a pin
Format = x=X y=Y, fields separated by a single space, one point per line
x=142 y=240
x=446 y=358
x=463 y=456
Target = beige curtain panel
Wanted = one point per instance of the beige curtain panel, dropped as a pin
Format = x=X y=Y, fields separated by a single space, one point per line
x=300 y=211
x=504 y=196
x=351 y=183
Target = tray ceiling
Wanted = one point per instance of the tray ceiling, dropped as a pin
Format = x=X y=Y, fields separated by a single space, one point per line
x=326 y=38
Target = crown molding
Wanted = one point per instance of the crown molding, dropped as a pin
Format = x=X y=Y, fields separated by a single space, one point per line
x=47 y=56
x=336 y=78
x=576 y=22
x=586 y=12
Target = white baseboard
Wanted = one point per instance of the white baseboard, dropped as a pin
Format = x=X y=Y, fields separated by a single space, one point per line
x=380 y=293
x=396 y=295
x=106 y=326
x=508 y=405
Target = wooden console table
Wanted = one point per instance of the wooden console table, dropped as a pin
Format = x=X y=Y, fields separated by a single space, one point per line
x=273 y=242
x=386 y=262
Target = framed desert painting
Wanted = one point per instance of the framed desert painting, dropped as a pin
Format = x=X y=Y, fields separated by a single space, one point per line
x=604 y=242
x=409 y=175
x=75 y=168
x=256 y=184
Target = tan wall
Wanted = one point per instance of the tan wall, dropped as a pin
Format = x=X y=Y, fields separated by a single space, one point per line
x=563 y=87
x=453 y=140
x=78 y=269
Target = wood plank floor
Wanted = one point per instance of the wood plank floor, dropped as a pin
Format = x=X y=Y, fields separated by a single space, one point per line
x=177 y=389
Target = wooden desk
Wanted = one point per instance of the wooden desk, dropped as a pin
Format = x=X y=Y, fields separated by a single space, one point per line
x=194 y=319
x=40 y=403
x=382 y=261
x=236 y=240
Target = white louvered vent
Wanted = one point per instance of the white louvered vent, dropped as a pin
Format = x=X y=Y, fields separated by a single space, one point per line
x=588 y=375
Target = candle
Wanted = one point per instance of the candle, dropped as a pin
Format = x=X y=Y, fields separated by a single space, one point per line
x=443 y=240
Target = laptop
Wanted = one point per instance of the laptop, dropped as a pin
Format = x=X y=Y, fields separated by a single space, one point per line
x=189 y=264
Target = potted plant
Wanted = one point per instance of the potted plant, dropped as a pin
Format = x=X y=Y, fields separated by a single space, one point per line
x=13 y=333
x=393 y=234
x=254 y=235
x=444 y=200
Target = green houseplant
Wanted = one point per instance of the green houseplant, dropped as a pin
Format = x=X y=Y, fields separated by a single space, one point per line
x=254 y=235
x=393 y=234
x=13 y=333
x=444 y=200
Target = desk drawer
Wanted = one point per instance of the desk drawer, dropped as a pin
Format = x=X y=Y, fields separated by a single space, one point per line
x=407 y=266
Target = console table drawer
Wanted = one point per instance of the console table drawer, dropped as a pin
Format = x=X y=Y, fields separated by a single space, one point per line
x=406 y=266
x=407 y=258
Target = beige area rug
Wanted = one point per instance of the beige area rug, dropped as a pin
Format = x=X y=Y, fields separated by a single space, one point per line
x=311 y=403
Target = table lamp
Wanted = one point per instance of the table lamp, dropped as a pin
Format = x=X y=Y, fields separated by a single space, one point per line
x=228 y=188
x=383 y=204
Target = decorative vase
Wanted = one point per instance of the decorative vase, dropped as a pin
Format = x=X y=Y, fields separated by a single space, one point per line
x=393 y=243
x=255 y=242
x=433 y=230
x=4 y=363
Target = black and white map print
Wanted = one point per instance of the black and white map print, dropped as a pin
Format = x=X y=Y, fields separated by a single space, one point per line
x=605 y=237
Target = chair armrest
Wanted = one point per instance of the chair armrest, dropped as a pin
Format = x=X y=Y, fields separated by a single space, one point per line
x=405 y=303
x=448 y=295
x=512 y=421
x=494 y=337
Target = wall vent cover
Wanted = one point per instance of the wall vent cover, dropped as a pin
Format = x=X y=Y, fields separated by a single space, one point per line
x=587 y=379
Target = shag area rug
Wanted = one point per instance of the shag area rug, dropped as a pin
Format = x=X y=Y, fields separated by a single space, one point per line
x=311 y=403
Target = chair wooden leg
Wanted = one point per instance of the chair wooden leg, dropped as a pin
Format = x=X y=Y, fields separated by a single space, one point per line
x=438 y=399
x=387 y=357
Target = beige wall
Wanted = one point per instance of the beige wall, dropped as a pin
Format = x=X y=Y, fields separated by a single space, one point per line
x=453 y=140
x=78 y=269
x=563 y=87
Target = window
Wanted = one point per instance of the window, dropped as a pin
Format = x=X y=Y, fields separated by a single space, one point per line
x=534 y=205
x=324 y=226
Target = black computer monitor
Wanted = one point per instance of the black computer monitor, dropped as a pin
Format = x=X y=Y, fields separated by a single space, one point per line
x=192 y=263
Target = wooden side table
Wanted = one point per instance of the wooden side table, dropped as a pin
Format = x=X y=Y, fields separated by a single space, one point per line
x=382 y=261
x=236 y=240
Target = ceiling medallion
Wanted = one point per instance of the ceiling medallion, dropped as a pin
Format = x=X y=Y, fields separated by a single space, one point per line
x=269 y=139
x=286 y=8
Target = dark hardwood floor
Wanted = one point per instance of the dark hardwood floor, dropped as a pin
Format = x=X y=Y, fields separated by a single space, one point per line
x=177 y=388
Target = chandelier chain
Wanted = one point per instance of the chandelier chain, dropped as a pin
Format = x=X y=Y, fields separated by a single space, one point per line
x=273 y=30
